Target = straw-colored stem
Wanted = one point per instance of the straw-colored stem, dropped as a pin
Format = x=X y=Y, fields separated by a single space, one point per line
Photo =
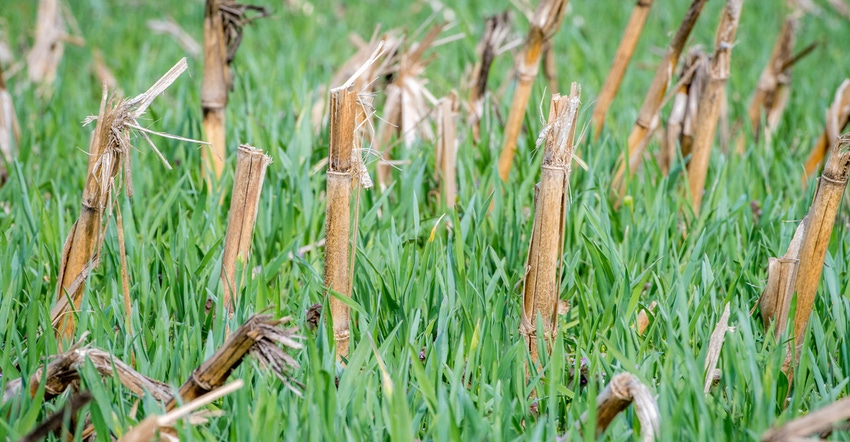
x=624 y=390
x=251 y=164
x=447 y=148
x=542 y=280
x=621 y=62
x=816 y=422
x=343 y=112
x=48 y=47
x=496 y=30
x=546 y=21
x=771 y=94
x=711 y=102
x=654 y=97
x=214 y=93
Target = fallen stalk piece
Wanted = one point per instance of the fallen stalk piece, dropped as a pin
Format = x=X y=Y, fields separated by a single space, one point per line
x=109 y=155
x=624 y=390
x=259 y=336
x=715 y=344
x=544 y=24
x=621 y=62
x=814 y=423
x=648 y=115
x=147 y=429
x=251 y=164
x=712 y=100
x=806 y=252
x=543 y=269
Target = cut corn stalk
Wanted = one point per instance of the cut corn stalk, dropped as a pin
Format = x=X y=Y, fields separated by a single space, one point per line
x=544 y=24
x=251 y=166
x=223 y=23
x=446 y=154
x=109 y=155
x=807 y=252
x=712 y=100
x=543 y=269
x=648 y=115
x=10 y=131
x=621 y=62
x=816 y=422
x=496 y=30
x=773 y=89
x=837 y=118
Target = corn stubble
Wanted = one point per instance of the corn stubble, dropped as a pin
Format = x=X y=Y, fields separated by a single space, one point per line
x=223 y=23
x=496 y=31
x=837 y=119
x=624 y=390
x=799 y=270
x=541 y=289
x=712 y=100
x=647 y=120
x=109 y=156
x=544 y=24
x=251 y=164
x=683 y=118
x=621 y=62
x=446 y=148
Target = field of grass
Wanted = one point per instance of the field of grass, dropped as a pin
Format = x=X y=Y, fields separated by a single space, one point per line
x=437 y=295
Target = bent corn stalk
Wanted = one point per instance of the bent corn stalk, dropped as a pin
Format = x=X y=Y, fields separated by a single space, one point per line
x=712 y=100
x=639 y=135
x=544 y=24
x=251 y=164
x=543 y=269
x=624 y=390
x=621 y=62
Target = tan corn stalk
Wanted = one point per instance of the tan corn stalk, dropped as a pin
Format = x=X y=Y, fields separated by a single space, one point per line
x=621 y=61
x=48 y=47
x=624 y=390
x=223 y=23
x=837 y=118
x=446 y=155
x=772 y=92
x=648 y=115
x=259 y=336
x=543 y=269
x=775 y=300
x=715 y=344
x=712 y=100
x=10 y=131
x=681 y=124
x=496 y=30
x=251 y=166
x=63 y=371
x=817 y=422
x=544 y=24
x=109 y=155
x=147 y=429
x=406 y=108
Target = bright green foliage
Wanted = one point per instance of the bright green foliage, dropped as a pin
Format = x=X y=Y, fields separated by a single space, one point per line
x=445 y=282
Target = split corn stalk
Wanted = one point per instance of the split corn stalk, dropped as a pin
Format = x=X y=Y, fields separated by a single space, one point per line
x=223 y=23
x=682 y=122
x=621 y=62
x=496 y=30
x=544 y=24
x=10 y=131
x=109 y=154
x=712 y=100
x=446 y=154
x=543 y=269
x=251 y=164
x=773 y=88
x=837 y=118
x=806 y=252
x=648 y=115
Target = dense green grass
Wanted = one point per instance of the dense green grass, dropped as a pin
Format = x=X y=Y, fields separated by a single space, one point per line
x=425 y=278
